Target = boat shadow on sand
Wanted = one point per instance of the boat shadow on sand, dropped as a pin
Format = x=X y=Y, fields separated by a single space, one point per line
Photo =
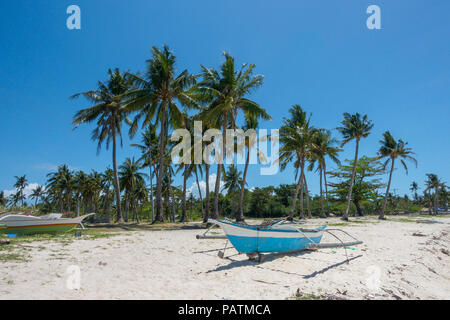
x=273 y=256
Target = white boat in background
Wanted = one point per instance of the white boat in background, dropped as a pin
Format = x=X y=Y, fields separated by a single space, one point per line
x=27 y=224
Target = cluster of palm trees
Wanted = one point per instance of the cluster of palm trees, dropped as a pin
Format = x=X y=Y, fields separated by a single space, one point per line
x=302 y=143
x=161 y=100
x=156 y=97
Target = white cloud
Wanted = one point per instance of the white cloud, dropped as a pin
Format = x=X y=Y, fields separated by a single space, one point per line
x=212 y=183
x=27 y=191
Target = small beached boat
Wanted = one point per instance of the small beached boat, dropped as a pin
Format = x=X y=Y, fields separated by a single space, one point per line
x=52 y=223
x=281 y=236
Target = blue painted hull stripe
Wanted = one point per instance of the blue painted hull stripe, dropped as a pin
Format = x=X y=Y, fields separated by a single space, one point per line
x=262 y=244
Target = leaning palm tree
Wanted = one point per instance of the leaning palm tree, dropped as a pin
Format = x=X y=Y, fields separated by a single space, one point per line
x=130 y=178
x=297 y=139
x=414 y=187
x=225 y=92
x=433 y=182
x=80 y=181
x=392 y=150
x=354 y=127
x=109 y=112
x=141 y=196
x=107 y=182
x=15 y=198
x=187 y=172
x=251 y=123
x=37 y=194
x=323 y=147
x=157 y=94
x=3 y=199
x=61 y=184
x=149 y=151
x=20 y=185
x=232 y=180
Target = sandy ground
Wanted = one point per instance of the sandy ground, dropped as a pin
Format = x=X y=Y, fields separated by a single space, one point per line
x=398 y=260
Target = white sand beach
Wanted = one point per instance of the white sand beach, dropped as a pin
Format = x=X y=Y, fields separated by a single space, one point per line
x=398 y=260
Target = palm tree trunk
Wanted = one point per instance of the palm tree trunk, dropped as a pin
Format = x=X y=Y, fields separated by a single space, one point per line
x=116 y=175
x=199 y=190
x=240 y=216
x=350 y=189
x=183 y=209
x=322 y=213
x=173 y=203
x=126 y=208
x=159 y=205
x=383 y=208
x=359 y=211
x=105 y=202
x=78 y=207
x=326 y=189
x=206 y=216
x=294 y=199
x=307 y=198
x=151 y=189
x=109 y=211
x=215 y=214
x=135 y=211
x=436 y=190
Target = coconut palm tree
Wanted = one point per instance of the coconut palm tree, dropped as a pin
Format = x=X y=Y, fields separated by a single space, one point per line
x=80 y=191
x=15 y=198
x=357 y=127
x=141 y=196
x=130 y=177
x=20 y=185
x=3 y=199
x=433 y=182
x=232 y=180
x=149 y=151
x=297 y=139
x=392 y=150
x=204 y=166
x=61 y=184
x=323 y=147
x=225 y=92
x=109 y=113
x=157 y=94
x=251 y=123
x=94 y=188
x=107 y=182
x=414 y=187
x=37 y=194
x=189 y=170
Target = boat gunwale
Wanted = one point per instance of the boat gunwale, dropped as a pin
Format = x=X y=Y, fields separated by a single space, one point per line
x=268 y=228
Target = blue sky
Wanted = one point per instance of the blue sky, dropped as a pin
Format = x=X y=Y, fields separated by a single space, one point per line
x=321 y=56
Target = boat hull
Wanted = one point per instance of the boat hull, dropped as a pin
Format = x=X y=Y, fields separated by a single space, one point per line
x=33 y=229
x=254 y=239
x=23 y=225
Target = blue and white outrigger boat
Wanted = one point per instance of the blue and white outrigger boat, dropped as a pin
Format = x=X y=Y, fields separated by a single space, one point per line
x=281 y=236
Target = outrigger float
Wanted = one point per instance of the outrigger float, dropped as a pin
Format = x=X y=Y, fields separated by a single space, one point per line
x=281 y=236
